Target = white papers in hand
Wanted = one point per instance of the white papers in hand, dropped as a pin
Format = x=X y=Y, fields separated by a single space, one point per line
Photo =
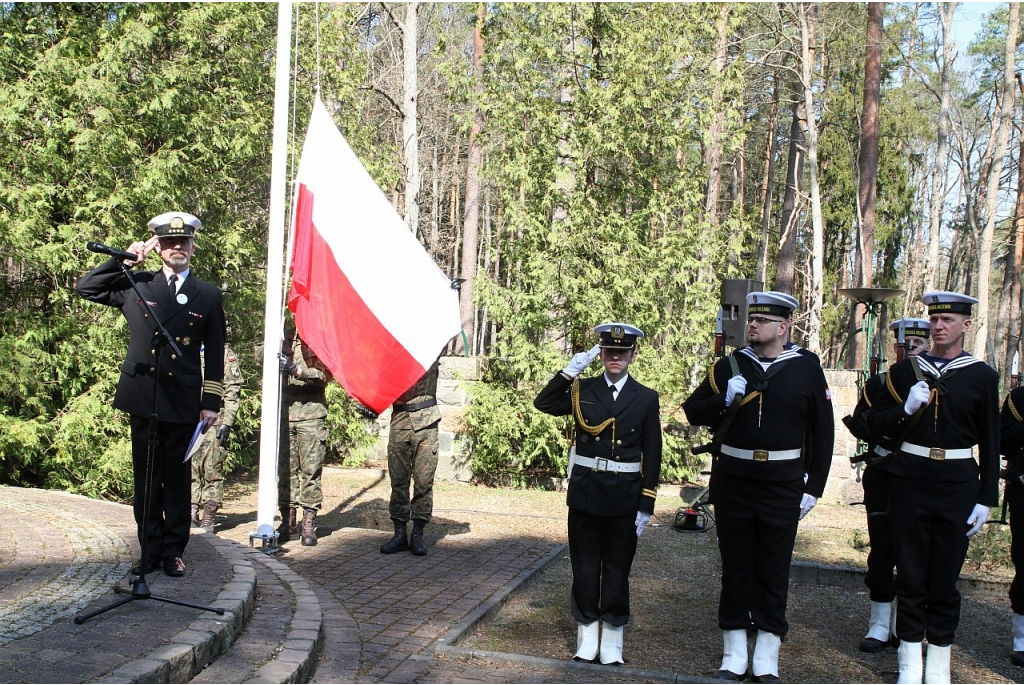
x=197 y=440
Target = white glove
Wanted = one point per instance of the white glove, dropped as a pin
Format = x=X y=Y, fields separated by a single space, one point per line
x=977 y=519
x=737 y=387
x=807 y=503
x=641 y=522
x=917 y=398
x=581 y=361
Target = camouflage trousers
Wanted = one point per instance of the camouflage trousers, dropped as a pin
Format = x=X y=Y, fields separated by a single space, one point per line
x=412 y=454
x=208 y=471
x=303 y=446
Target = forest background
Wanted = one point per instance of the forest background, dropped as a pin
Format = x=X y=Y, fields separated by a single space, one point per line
x=574 y=163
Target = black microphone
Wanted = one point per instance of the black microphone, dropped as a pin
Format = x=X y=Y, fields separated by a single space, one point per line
x=112 y=251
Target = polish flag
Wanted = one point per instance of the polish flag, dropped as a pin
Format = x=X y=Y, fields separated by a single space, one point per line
x=367 y=298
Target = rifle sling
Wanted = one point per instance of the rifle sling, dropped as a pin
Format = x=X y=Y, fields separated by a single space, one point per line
x=730 y=415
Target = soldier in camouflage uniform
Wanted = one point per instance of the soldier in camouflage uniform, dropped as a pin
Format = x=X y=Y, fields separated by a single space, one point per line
x=304 y=407
x=412 y=454
x=208 y=461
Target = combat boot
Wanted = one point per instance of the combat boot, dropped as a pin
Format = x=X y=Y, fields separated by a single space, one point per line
x=416 y=543
x=308 y=527
x=398 y=543
x=194 y=519
x=288 y=528
x=209 y=512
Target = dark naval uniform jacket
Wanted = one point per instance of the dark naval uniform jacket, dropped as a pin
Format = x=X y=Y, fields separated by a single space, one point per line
x=183 y=388
x=793 y=411
x=1011 y=435
x=964 y=412
x=858 y=426
x=1012 y=446
x=634 y=437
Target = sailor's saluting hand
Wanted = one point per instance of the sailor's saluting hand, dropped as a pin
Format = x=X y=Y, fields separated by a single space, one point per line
x=581 y=361
x=142 y=249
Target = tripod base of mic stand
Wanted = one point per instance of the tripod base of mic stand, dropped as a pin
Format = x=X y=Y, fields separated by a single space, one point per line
x=140 y=590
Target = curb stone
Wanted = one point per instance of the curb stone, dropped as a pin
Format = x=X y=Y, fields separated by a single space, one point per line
x=208 y=636
x=305 y=636
x=205 y=638
x=800 y=572
x=487 y=610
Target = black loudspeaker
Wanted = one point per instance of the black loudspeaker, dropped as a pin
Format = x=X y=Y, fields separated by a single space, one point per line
x=734 y=308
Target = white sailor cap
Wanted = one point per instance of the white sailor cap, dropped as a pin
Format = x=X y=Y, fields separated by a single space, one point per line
x=175 y=223
x=772 y=303
x=618 y=336
x=942 y=301
x=919 y=328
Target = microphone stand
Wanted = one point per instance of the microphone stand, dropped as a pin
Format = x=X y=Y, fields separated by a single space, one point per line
x=140 y=589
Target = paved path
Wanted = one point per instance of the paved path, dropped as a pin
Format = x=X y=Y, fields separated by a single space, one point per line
x=383 y=617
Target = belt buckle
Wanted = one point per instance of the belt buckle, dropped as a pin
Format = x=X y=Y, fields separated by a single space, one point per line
x=600 y=464
x=937 y=454
x=760 y=455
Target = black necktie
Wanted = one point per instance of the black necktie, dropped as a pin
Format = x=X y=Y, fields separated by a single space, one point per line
x=170 y=285
x=615 y=392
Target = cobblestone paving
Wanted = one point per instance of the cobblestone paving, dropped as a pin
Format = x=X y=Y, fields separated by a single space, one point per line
x=400 y=604
x=61 y=555
x=47 y=578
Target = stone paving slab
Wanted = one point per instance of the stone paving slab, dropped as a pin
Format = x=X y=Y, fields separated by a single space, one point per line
x=63 y=556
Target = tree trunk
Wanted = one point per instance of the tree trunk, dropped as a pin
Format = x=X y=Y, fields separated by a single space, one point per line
x=857 y=348
x=767 y=184
x=983 y=346
x=410 y=138
x=1015 y=262
x=808 y=28
x=786 y=272
x=869 y=140
x=938 y=195
x=471 y=220
x=713 y=152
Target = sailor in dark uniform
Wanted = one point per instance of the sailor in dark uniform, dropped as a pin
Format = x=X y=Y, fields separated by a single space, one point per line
x=771 y=410
x=940 y=406
x=190 y=388
x=613 y=480
x=1012 y=446
x=881 y=562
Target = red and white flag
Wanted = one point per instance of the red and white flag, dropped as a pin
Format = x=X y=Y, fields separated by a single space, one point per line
x=367 y=298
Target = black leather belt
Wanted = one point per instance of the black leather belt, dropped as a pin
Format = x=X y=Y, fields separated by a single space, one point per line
x=415 y=406
x=303 y=393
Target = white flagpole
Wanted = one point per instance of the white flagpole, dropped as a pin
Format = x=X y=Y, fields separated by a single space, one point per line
x=273 y=319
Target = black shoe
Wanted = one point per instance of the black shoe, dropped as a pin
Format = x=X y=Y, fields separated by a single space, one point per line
x=872 y=645
x=174 y=566
x=766 y=678
x=1017 y=658
x=152 y=564
x=726 y=674
x=398 y=543
x=416 y=540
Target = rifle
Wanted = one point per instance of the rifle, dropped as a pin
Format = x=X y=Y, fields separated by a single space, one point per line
x=719 y=335
x=902 y=344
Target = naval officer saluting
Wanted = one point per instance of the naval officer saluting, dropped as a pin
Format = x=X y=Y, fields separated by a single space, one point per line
x=189 y=389
x=612 y=483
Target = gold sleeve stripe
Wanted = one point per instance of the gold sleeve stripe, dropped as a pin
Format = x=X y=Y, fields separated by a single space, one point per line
x=213 y=388
x=892 y=390
x=864 y=394
x=647 y=492
x=711 y=377
x=1013 y=410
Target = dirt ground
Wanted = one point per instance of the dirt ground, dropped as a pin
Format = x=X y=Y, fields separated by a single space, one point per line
x=674 y=584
